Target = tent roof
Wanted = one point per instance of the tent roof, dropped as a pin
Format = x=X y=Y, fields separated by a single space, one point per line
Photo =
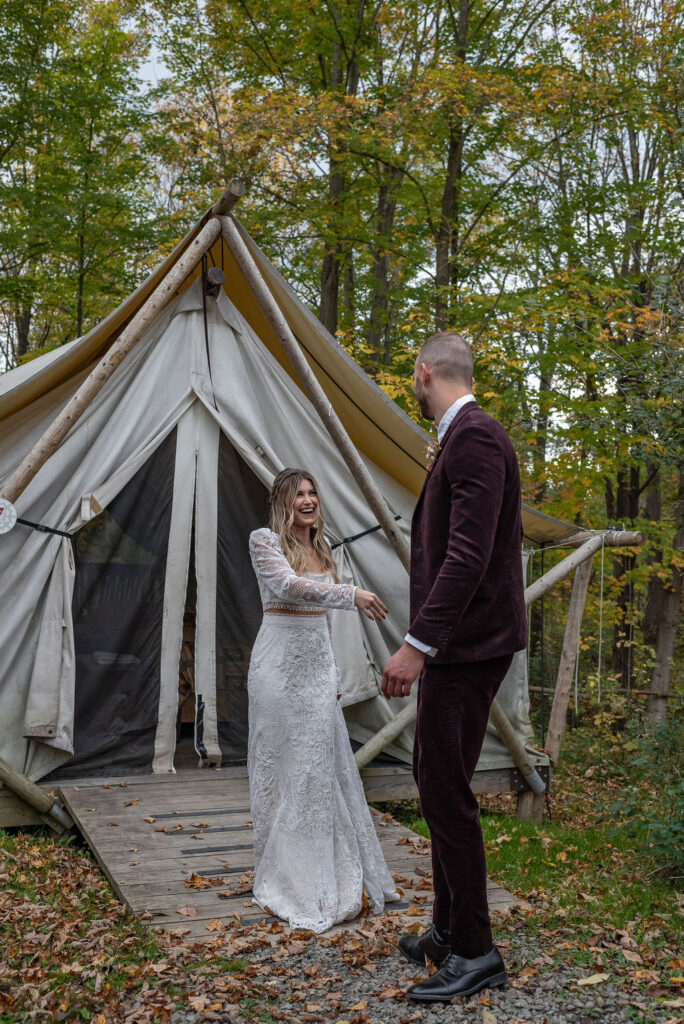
x=376 y=425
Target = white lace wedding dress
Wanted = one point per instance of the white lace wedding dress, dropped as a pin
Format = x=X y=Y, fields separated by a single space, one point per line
x=315 y=845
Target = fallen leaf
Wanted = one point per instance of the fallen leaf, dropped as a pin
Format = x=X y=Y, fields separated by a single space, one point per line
x=149 y=820
x=360 y=1006
x=487 y=1016
x=188 y=911
x=633 y=957
x=593 y=979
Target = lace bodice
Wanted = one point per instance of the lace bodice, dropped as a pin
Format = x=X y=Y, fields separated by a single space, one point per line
x=279 y=585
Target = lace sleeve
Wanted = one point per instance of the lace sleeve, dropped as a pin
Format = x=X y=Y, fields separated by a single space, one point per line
x=271 y=565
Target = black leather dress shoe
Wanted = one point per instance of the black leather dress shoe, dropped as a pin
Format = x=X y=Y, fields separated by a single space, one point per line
x=460 y=977
x=418 y=947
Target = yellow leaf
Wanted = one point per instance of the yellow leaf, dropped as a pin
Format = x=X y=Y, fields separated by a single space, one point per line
x=593 y=979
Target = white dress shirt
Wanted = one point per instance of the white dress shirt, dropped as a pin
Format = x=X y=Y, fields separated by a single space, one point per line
x=442 y=428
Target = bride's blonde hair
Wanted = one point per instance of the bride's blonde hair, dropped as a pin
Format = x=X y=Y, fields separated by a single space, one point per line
x=281 y=516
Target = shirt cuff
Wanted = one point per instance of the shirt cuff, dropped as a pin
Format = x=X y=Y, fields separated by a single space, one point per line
x=425 y=648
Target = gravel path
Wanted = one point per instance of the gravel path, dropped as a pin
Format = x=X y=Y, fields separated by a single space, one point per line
x=334 y=980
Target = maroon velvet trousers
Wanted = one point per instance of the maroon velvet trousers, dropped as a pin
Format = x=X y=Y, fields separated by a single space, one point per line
x=453 y=708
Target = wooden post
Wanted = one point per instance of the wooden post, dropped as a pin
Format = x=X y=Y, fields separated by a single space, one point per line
x=561 y=697
x=313 y=389
x=49 y=809
x=564 y=568
x=377 y=743
x=223 y=206
x=611 y=538
x=407 y=715
x=98 y=377
x=372 y=747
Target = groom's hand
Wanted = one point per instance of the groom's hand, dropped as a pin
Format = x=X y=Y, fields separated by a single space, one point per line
x=402 y=670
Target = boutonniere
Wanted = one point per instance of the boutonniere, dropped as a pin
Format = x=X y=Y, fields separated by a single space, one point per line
x=431 y=452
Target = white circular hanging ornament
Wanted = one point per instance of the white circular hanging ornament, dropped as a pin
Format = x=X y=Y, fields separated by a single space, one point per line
x=8 y=515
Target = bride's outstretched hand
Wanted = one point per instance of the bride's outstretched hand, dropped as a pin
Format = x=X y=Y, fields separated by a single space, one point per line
x=370 y=604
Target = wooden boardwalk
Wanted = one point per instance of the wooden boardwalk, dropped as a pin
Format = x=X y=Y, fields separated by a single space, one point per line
x=154 y=834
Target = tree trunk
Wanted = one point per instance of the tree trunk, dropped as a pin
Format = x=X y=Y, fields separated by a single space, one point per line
x=541 y=436
x=330 y=274
x=22 y=325
x=446 y=272
x=447 y=241
x=385 y=210
x=663 y=608
x=344 y=81
x=626 y=510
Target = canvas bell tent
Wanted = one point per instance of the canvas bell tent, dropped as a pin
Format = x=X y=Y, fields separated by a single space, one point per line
x=151 y=495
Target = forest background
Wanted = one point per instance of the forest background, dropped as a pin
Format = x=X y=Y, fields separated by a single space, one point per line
x=512 y=170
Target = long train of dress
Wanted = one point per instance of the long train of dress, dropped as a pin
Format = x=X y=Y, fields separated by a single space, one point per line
x=315 y=845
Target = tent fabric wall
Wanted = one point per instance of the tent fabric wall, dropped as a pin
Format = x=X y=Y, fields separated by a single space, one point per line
x=227 y=384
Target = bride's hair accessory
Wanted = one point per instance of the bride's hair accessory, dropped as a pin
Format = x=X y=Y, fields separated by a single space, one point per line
x=281 y=516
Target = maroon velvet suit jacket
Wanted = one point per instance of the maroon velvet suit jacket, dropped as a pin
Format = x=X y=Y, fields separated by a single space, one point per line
x=466 y=568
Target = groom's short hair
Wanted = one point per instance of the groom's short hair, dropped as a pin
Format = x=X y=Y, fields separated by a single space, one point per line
x=449 y=356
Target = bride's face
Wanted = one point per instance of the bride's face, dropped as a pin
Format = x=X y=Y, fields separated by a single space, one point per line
x=305 y=504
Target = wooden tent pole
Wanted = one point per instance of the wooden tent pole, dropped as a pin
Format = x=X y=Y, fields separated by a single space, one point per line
x=407 y=715
x=50 y=810
x=531 y=805
x=98 y=377
x=561 y=697
x=313 y=389
x=563 y=568
x=611 y=538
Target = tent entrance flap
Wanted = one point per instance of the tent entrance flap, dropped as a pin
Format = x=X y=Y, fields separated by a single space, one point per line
x=120 y=563
x=242 y=507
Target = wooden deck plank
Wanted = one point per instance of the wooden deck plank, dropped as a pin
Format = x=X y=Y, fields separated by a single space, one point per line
x=148 y=868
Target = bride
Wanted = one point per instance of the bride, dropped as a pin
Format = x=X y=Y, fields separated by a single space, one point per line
x=315 y=845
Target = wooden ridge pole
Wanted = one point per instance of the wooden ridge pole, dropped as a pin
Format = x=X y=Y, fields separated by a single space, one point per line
x=313 y=389
x=98 y=377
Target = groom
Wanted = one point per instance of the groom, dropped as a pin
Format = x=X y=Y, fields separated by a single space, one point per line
x=467 y=619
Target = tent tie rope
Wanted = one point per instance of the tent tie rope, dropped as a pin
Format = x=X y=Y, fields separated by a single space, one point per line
x=42 y=528
x=358 y=536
